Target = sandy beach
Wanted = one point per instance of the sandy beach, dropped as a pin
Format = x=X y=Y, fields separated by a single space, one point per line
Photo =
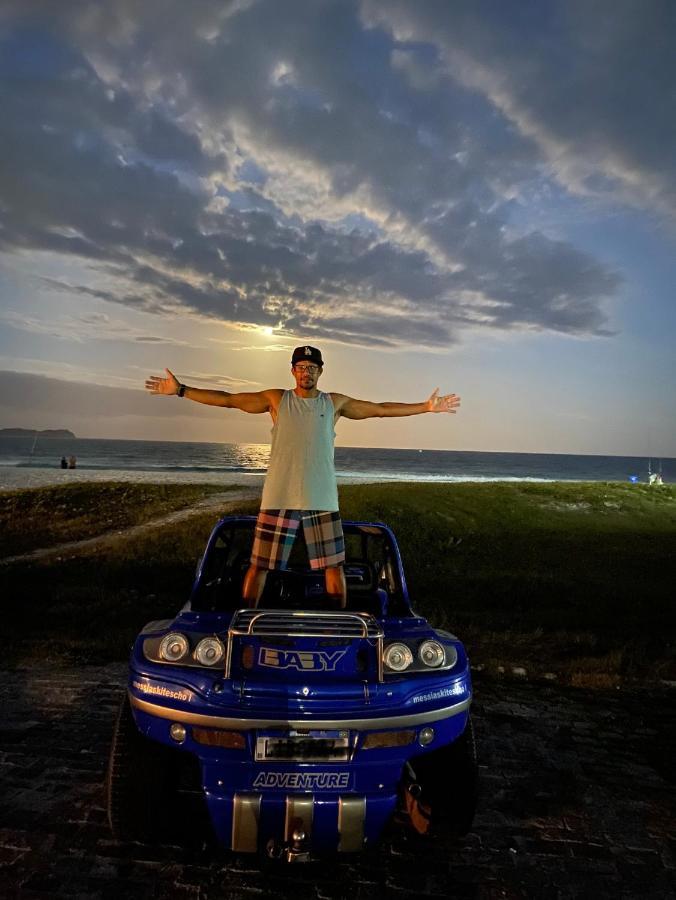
x=16 y=477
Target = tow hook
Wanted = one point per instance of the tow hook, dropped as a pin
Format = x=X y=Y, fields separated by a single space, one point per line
x=293 y=851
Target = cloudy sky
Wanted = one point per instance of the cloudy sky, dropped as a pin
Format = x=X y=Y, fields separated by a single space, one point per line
x=477 y=195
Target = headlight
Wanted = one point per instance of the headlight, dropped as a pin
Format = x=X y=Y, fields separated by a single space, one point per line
x=174 y=647
x=451 y=657
x=209 y=651
x=432 y=654
x=397 y=657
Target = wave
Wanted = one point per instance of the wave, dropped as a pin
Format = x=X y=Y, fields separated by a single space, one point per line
x=364 y=474
x=352 y=474
x=422 y=476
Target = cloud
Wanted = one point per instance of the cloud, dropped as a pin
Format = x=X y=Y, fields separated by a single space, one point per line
x=40 y=394
x=269 y=348
x=87 y=327
x=208 y=160
x=587 y=82
x=64 y=372
x=213 y=378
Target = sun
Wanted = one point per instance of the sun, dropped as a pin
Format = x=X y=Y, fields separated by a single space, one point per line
x=267 y=330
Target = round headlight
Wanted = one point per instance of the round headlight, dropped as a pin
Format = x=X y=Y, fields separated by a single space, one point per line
x=398 y=657
x=451 y=656
x=432 y=654
x=209 y=651
x=174 y=647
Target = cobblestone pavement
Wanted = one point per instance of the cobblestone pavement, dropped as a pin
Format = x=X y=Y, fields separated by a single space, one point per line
x=578 y=800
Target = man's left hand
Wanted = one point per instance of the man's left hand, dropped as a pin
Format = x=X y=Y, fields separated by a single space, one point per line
x=448 y=403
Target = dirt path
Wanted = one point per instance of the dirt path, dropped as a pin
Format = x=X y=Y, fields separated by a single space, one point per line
x=217 y=503
x=578 y=800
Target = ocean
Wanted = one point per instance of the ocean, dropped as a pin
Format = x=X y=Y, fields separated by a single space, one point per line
x=25 y=462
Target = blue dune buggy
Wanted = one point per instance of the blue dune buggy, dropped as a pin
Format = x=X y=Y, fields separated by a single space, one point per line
x=294 y=730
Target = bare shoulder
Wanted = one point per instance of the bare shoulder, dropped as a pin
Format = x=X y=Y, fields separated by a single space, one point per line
x=274 y=396
x=338 y=400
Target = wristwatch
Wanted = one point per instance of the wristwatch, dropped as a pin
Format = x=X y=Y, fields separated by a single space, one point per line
x=181 y=390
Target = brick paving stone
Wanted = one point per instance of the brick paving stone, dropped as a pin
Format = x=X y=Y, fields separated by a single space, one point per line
x=577 y=800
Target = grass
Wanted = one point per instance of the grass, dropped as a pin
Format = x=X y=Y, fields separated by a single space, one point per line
x=576 y=579
x=44 y=517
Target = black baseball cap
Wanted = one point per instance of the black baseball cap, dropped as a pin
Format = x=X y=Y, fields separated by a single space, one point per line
x=311 y=354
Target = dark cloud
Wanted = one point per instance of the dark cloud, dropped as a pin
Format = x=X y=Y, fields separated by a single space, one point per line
x=591 y=83
x=119 y=122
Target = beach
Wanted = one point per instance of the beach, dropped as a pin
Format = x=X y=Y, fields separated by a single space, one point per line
x=16 y=477
x=30 y=463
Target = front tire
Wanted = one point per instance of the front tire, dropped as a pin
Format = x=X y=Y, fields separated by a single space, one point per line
x=145 y=785
x=449 y=781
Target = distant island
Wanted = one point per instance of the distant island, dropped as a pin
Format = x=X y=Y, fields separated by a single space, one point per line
x=32 y=432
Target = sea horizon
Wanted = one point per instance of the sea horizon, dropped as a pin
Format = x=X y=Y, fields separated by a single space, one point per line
x=29 y=462
x=43 y=434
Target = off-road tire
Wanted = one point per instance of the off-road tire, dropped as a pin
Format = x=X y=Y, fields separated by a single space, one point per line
x=143 y=786
x=449 y=779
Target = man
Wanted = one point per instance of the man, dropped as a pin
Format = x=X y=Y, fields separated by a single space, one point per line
x=300 y=485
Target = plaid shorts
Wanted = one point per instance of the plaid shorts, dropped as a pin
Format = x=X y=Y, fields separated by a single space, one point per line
x=276 y=531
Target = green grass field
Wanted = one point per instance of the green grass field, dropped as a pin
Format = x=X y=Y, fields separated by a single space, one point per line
x=43 y=517
x=575 y=579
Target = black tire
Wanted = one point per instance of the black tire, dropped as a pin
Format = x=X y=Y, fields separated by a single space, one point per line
x=449 y=781
x=149 y=787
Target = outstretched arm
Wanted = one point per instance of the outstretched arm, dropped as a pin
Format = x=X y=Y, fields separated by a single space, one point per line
x=364 y=409
x=253 y=402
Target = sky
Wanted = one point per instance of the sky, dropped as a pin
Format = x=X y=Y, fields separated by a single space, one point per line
x=478 y=196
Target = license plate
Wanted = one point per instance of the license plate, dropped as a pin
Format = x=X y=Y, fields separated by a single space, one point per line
x=312 y=747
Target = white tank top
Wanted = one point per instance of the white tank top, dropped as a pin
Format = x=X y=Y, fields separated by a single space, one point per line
x=301 y=473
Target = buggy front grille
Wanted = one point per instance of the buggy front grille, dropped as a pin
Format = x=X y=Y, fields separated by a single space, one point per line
x=284 y=623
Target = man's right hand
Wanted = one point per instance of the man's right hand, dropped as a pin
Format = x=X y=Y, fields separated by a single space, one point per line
x=157 y=385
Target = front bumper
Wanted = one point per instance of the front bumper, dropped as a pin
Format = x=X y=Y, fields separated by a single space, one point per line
x=245 y=723
x=294 y=806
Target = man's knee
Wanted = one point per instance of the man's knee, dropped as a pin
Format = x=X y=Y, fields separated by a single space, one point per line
x=254 y=582
x=335 y=583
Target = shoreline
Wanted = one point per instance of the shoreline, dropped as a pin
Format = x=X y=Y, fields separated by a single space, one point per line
x=19 y=477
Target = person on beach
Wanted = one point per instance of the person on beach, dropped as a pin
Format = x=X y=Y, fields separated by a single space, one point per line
x=300 y=486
